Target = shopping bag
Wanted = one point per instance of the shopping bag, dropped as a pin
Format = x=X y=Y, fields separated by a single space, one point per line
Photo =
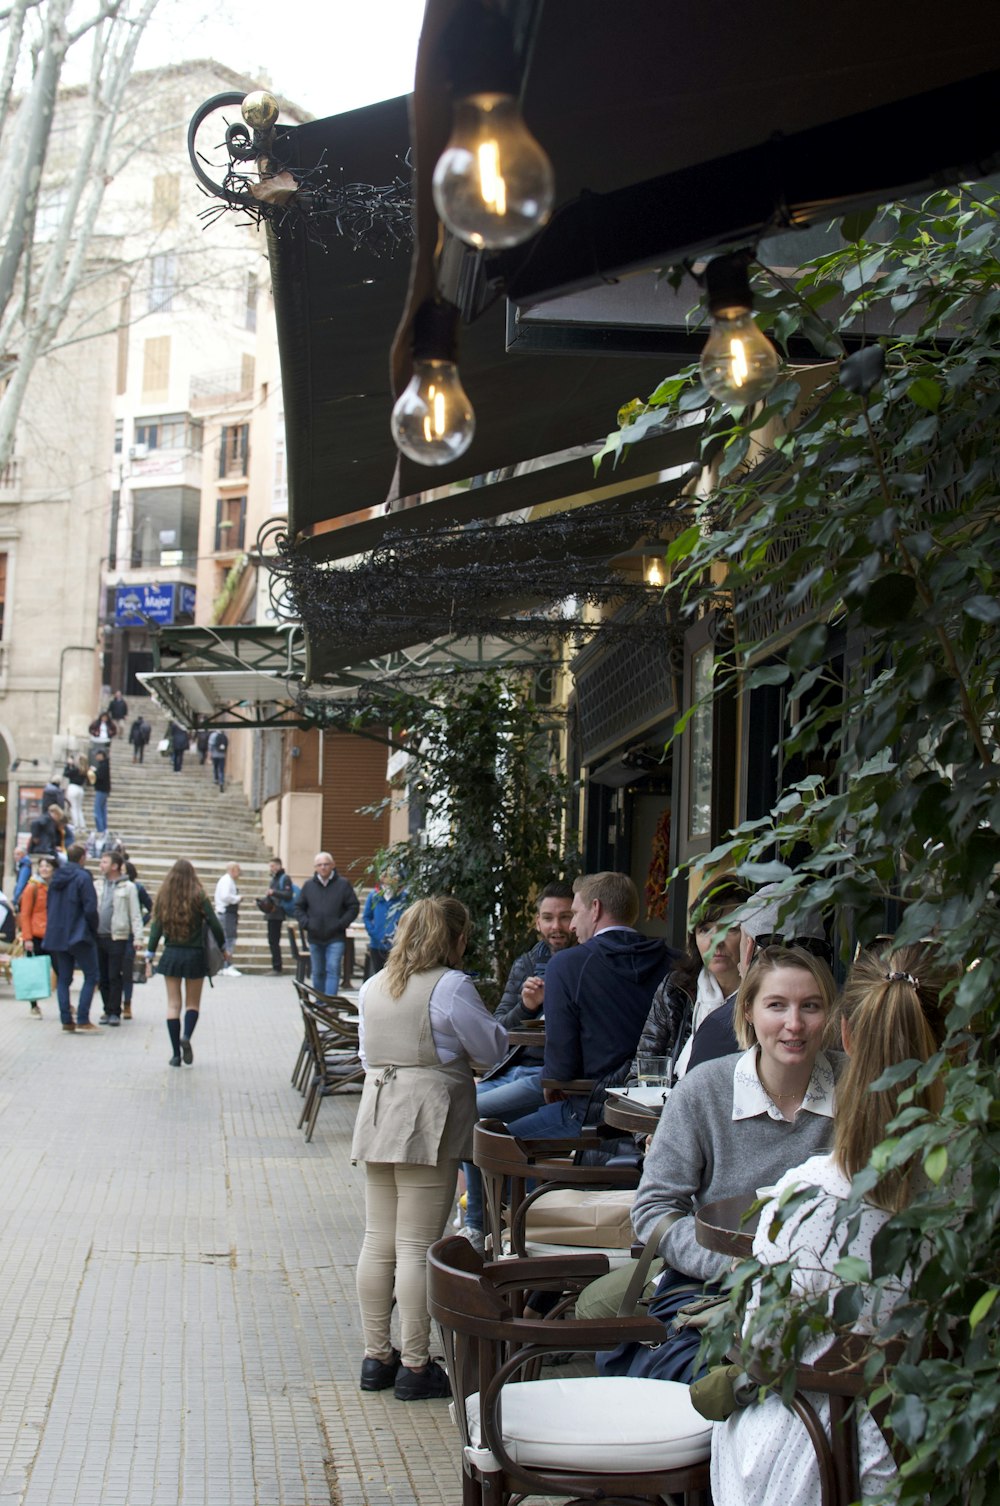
x=163 y=747
x=32 y=977
x=598 y=1219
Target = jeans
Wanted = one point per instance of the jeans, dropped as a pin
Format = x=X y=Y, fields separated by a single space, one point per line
x=111 y=962
x=101 y=810
x=178 y=759
x=506 y=1096
x=230 y=918
x=327 y=957
x=219 y=772
x=83 y=956
x=274 y=924
x=552 y=1120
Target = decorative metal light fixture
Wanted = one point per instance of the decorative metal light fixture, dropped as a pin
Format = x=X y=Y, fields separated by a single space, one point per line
x=433 y=422
x=493 y=184
x=739 y=365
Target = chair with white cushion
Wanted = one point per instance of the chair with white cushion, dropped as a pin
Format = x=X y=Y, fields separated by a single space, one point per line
x=586 y=1438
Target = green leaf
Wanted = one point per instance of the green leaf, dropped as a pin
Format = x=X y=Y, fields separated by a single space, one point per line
x=850 y=1269
x=681 y=546
x=853 y=226
x=889 y=600
x=936 y=1163
x=982 y=1307
x=925 y=393
x=982 y=608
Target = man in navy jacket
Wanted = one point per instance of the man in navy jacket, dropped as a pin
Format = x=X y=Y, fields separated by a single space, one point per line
x=70 y=936
x=597 y=997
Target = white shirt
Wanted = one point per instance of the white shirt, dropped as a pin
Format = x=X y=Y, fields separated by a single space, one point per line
x=750 y=1099
x=461 y=1025
x=762 y=1455
x=226 y=893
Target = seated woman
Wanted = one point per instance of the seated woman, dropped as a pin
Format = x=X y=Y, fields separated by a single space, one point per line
x=728 y=1127
x=422 y=1027
x=705 y=979
x=890 y=1013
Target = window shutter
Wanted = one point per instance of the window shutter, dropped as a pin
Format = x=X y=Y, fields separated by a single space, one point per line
x=156 y=368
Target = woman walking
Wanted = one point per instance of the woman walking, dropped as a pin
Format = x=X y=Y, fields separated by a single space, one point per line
x=422 y=1026
x=34 y=912
x=180 y=914
x=75 y=774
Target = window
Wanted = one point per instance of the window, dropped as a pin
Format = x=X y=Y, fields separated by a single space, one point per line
x=124 y=317
x=250 y=311
x=116 y=510
x=156 y=368
x=230 y=523
x=162 y=283
x=52 y=205
x=119 y=434
x=234 y=450
x=165 y=520
x=166 y=200
x=248 y=369
x=168 y=431
x=3 y=593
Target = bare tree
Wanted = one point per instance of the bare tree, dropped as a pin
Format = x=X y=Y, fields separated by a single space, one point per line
x=39 y=273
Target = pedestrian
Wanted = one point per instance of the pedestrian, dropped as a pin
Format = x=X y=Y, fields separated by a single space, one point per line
x=201 y=742
x=22 y=872
x=220 y=747
x=102 y=730
x=70 y=936
x=128 y=967
x=138 y=736
x=327 y=905
x=422 y=1025
x=278 y=898
x=33 y=915
x=227 y=907
x=118 y=709
x=179 y=744
x=118 y=919
x=383 y=908
x=48 y=832
x=53 y=794
x=75 y=774
x=180 y=914
x=101 y=770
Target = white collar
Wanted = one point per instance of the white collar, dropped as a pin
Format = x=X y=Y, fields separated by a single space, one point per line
x=749 y=1098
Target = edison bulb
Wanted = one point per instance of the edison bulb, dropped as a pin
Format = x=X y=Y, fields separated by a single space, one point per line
x=433 y=421
x=739 y=365
x=493 y=183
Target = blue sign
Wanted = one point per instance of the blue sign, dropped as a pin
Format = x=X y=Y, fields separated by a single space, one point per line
x=137 y=605
x=186 y=607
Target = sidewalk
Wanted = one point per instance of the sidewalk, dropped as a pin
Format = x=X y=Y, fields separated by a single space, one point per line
x=177 y=1311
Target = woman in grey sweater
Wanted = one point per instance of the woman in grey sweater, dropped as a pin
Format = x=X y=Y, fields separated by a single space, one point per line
x=733 y=1125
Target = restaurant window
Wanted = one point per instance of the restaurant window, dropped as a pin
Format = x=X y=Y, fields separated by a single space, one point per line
x=234 y=450
x=230 y=523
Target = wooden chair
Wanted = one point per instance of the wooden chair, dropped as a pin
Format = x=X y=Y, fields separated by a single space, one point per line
x=840 y=1375
x=588 y=1438
x=517 y=1174
x=333 y=1063
x=300 y=954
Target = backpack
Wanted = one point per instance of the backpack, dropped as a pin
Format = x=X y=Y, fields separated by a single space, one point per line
x=8 y=925
x=288 y=905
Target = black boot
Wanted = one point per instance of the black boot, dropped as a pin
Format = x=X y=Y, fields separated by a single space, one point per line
x=174 y=1032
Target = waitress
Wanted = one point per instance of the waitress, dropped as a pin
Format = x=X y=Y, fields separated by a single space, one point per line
x=422 y=1027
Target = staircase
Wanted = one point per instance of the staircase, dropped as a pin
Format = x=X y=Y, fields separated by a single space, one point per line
x=162 y=816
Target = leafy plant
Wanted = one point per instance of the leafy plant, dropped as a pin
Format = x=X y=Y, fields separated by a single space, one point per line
x=855 y=518
x=484 y=775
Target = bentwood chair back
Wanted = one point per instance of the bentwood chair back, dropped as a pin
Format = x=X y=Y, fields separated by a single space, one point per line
x=586 y=1438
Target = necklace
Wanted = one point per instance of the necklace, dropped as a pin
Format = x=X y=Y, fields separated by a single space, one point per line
x=779 y=1098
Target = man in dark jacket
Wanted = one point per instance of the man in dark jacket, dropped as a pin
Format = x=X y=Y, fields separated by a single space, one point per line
x=597 y=997
x=327 y=906
x=70 y=932
x=279 y=893
x=118 y=709
x=102 y=789
x=515 y=1087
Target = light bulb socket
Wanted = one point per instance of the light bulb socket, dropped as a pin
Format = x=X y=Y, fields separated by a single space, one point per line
x=727 y=284
x=478 y=51
x=435 y=331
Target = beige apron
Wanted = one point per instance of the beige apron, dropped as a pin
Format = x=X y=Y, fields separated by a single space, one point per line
x=414 y=1108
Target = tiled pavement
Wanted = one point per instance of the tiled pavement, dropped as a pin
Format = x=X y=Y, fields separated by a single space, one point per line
x=177 y=1311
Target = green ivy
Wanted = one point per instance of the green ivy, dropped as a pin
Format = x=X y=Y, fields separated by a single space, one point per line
x=877 y=519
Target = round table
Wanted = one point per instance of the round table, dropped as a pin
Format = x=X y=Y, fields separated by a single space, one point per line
x=636 y=1118
x=720 y=1226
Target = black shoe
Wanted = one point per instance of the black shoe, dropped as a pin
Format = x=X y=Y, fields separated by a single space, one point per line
x=421 y=1385
x=378 y=1375
x=188 y=1053
x=175 y=1061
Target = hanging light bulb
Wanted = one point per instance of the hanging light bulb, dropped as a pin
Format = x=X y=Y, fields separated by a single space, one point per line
x=493 y=184
x=433 y=422
x=739 y=365
x=654 y=573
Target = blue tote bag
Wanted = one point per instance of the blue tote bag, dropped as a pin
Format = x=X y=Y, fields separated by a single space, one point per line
x=32 y=977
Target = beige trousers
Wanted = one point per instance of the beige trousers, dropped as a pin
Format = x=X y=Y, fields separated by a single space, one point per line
x=406 y=1209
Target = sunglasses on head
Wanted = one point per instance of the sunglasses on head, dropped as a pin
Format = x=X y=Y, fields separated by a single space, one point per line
x=814 y=945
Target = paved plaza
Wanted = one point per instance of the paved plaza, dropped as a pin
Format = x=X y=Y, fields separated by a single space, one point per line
x=178 y=1313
